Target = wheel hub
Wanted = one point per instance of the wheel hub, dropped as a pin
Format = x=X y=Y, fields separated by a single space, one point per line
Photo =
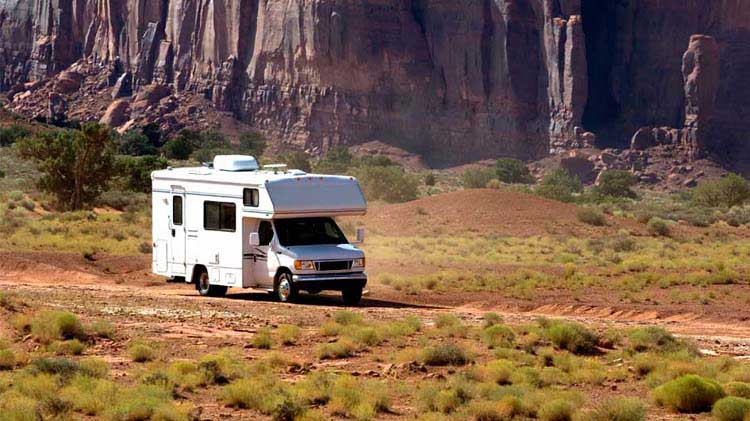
x=284 y=288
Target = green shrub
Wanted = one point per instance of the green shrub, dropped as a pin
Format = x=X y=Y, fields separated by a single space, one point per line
x=261 y=393
x=498 y=336
x=738 y=389
x=573 y=337
x=135 y=172
x=336 y=161
x=430 y=180
x=556 y=410
x=445 y=354
x=492 y=319
x=135 y=143
x=732 y=409
x=615 y=183
x=50 y=325
x=140 y=352
x=688 y=394
x=71 y=347
x=731 y=190
x=477 y=178
x=658 y=227
x=617 y=409
x=592 y=217
x=513 y=171
x=559 y=185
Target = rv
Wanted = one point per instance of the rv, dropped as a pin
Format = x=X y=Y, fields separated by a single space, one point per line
x=233 y=224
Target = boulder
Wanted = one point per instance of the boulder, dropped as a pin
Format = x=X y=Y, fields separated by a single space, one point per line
x=123 y=86
x=117 y=114
x=150 y=95
x=68 y=82
x=579 y=166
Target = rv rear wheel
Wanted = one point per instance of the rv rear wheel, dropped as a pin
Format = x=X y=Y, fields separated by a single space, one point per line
x=204 y=287
x=285 y=290
x=352 y=296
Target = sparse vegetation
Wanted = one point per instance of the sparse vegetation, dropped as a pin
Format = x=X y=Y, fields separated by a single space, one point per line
x=559 y=185
x=592 y=217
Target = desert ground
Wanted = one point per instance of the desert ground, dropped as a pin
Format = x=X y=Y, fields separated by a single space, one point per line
x=482 y=304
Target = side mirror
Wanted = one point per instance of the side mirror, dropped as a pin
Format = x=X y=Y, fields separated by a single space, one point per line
x=254 y=239
x=360 y=235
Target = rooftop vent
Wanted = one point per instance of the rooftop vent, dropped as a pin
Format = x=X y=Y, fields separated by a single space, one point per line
x=235 y=163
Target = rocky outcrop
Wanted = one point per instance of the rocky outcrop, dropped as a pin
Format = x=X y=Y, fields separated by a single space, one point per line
x=700 y=69
x=451 y=80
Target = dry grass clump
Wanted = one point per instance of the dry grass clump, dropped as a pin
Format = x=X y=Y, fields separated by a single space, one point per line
x=572 y=337
x=102 y=329
x=342 y=348
x=592 y=217
x=141 y=352
x=498 y=336
x=48 y=326
x=71 y=347
x=262 y=339
x=617 y=409
x=738 y=389
x=688 y=394
x=446 y=353
x=653 y=339
x=288 y=334
x=221 y=367
x=556 y=410
x=359 y=399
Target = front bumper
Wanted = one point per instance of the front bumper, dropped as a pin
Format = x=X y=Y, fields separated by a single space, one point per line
x=331 y=282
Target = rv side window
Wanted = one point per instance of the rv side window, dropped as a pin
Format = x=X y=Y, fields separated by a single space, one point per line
x=219 y=216
x=250 y=197
x=177 y=210
x=265 y=232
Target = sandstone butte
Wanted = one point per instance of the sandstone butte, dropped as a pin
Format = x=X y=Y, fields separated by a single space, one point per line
x=452 y=80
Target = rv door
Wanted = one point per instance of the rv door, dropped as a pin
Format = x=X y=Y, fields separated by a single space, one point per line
x=177 y=230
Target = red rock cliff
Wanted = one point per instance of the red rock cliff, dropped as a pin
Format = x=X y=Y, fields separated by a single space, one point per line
x=453 y=80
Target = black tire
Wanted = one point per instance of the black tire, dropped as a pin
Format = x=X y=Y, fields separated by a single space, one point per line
x=352 y=296
x=284 y=288
x=204 y=287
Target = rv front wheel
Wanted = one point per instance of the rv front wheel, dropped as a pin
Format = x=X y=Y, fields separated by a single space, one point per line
x=286 y=291
x=204 y=287
x=352 y=296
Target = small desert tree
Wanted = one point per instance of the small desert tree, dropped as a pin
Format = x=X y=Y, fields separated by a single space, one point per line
x=75 y=164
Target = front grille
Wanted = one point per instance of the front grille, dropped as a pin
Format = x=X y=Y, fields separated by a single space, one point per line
x=334 y=265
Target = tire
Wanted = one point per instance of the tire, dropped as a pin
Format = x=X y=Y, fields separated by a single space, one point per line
x=284 y=289
x=352 y=296
x=204 y=287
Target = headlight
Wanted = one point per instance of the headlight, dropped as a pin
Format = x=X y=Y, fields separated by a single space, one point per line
x=358 y=263
x=304 y=265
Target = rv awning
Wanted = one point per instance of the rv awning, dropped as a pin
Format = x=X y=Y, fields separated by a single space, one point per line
x=316 y=195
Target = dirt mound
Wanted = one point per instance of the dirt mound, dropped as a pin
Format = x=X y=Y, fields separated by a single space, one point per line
x=487 y=212
x=46 y=267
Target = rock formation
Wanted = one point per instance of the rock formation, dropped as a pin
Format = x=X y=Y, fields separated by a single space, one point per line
x=451 y=80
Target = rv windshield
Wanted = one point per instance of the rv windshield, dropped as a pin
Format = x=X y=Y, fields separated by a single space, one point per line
x=308 y=232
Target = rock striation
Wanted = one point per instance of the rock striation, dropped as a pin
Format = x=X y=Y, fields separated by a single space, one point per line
x=452 y=81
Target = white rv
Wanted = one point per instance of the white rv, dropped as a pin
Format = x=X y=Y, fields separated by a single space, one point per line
x=235 y=225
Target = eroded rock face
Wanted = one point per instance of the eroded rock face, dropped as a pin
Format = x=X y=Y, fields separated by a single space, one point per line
x=452 y=80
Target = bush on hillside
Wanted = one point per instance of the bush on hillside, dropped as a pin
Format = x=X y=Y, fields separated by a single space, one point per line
x=732 y=190
x=688 y=394
x=337 y=161
x=181 y=146
x=615 y=183
x=592 y=217
x=9 y=135
x=390 y=184
x=572 y=337
x=297 y=160
x=477 y=178
x=252 y=143
x=618 y=409
x=509 y=170
x=559 y=185
x=658 y=227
